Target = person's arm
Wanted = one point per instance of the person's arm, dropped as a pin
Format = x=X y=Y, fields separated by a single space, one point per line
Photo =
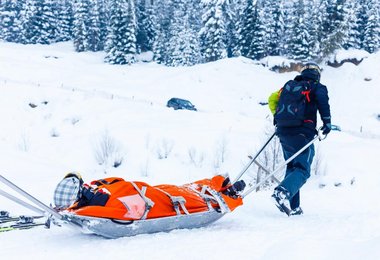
x=323 y=106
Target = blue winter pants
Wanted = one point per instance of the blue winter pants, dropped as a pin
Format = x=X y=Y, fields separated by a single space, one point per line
x=298 y=170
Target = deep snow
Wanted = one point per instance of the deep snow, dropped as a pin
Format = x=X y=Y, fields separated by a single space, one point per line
x=79 y=100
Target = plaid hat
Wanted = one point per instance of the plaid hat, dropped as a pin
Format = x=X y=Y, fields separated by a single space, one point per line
x=68 y=191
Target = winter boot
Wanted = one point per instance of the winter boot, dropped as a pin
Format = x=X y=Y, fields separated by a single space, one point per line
x=296 y=211
x=281 y=200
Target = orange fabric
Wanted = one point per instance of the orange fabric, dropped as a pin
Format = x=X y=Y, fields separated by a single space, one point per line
x=216 y=184
x=125 y=202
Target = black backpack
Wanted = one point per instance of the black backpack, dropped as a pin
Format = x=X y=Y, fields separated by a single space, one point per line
x=291 y=107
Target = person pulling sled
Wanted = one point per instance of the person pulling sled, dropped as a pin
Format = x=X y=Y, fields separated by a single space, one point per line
x=295 y=109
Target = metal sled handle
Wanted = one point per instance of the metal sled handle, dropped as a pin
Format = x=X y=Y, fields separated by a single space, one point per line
x=21 y=202
x=319 y=136
x=30 y=198
x=254 y=158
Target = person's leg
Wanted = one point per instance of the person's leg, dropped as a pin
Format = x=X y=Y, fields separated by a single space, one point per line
x=298 y=171
x=295 y=201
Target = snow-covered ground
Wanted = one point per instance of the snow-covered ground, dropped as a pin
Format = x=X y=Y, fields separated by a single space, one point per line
x=58 y=106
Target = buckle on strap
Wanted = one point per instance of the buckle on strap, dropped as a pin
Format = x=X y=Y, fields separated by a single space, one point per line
x=148 y=202
x=219 y=200
x=213 y=196
x=177 y=201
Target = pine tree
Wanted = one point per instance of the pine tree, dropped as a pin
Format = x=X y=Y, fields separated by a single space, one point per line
x=40 y=25
x=334 y=31
x=10 y=23
x=362 y=20
x=183 y=47
x=252 y=31
x=230 y=12
x=299 y=44
x=81 y=25
x=121 y=40
x=146 y=29
x=163 y=11
x=212 y=34
x=288 y=11
x=195 y=11
x=314 y=25
x=371 y=39
x=352 y=40
x=66 y=21
x=96 y=33
x=246 y=28
x=275 y=28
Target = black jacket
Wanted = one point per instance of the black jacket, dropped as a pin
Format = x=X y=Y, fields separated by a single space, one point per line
x=319 y=101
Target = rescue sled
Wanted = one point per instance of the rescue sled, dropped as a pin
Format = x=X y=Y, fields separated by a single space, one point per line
x=138 y=208
x=133 y=209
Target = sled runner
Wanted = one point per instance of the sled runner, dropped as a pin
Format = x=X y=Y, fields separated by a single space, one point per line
x=112 y=228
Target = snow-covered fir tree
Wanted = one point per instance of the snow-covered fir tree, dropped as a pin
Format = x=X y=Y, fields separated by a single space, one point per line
x=334 y=32
x=274 y=36
x=252 y=31
x=163 y=12
x=121 y=39
x=212 y=34
x=221 y=28
x=146 y=29
x=314 y=25
x=195 y=15
x=230 y=12
x=362 y=20
x=300 y=40
x=65 y=21
x=90 y=25
x=81 y=25
x=371 y=38
x=183 y=47
x=96 y=26
x=352 y=37
x=10 y=23
x=246 y=28
x=40 y=24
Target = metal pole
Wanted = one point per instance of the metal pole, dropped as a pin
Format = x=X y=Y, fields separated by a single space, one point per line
x=21 y=202
x=280 y=167
x=31 y=198
x=253 y=159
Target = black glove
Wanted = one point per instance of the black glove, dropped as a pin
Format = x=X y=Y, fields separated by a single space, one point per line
x=233 y=190
x=326 y=128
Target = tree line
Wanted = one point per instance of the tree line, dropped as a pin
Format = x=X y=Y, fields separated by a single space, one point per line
x=187 y=32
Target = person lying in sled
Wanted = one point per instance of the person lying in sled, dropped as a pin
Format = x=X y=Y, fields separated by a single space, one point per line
x=128 y=200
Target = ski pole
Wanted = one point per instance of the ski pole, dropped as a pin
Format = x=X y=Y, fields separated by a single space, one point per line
x=21 y=202
x=31 y=198
x=318 y=137
x=254 y=158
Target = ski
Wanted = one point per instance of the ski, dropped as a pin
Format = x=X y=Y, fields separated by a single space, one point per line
x=21 y=222
x=5 y=217
x=20 y=226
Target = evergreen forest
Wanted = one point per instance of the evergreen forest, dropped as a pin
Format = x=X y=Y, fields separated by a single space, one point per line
x=188 y=32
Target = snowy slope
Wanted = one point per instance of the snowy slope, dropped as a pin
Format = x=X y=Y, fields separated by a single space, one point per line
x=79 y=100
